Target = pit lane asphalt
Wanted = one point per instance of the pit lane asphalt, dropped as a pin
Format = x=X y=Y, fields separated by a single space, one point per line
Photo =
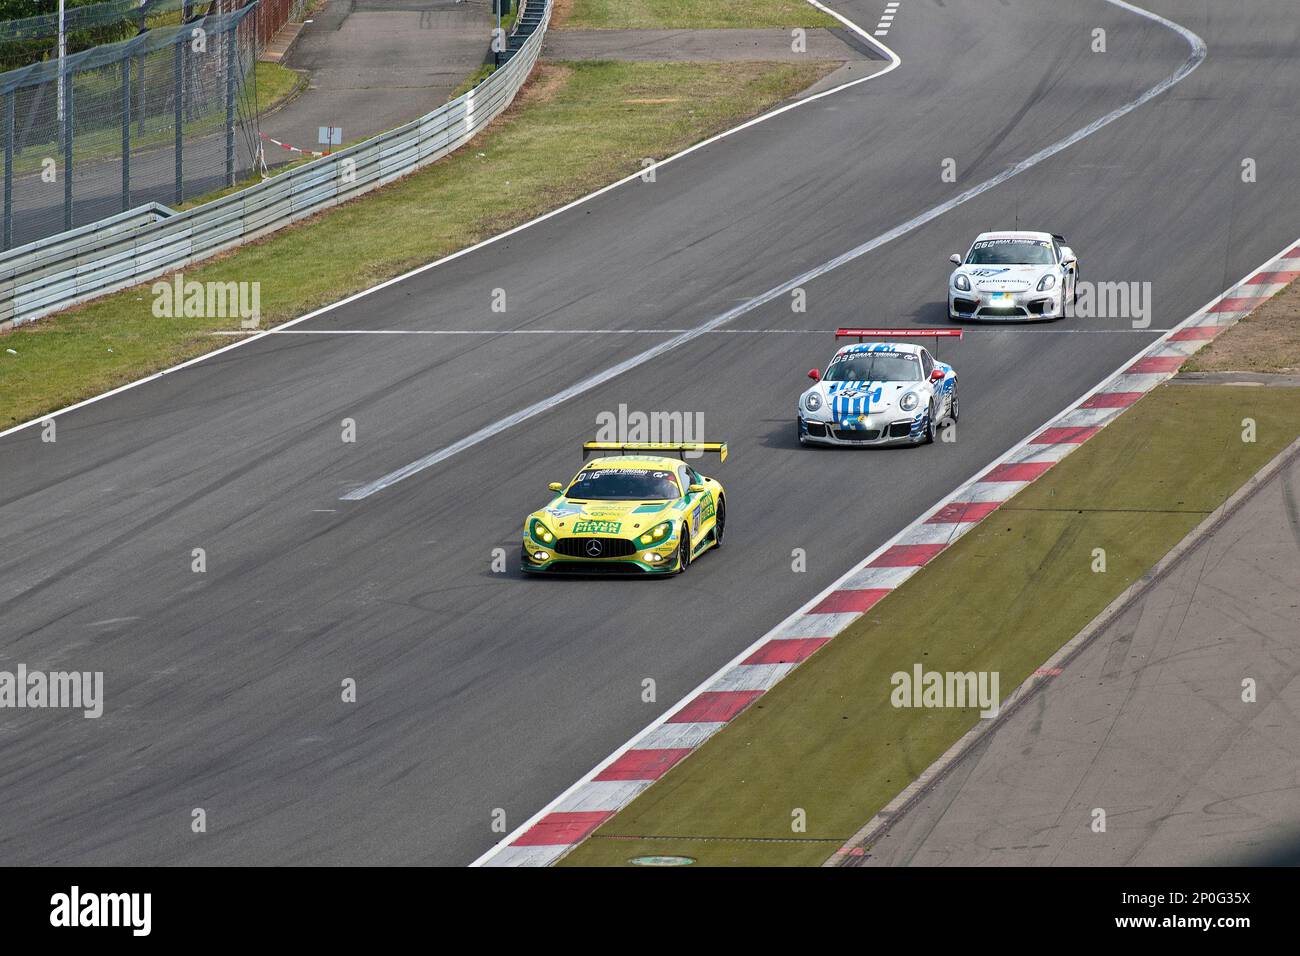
x=479 y=691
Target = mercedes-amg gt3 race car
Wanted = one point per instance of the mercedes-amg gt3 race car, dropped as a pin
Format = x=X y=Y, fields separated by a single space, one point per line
x=879 y=393
x=633 y=513
x=1023 y=276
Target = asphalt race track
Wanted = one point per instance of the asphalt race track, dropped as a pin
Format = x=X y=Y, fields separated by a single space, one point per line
x=478 y=690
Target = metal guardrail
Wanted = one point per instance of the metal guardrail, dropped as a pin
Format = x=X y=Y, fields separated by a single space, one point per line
x=149 y=241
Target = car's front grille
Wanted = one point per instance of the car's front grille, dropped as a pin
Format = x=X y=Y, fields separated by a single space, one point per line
x=595 y=547
x=815 y=429
x=1039 y=306
x=965 y=305
x=851 y=434
x=1003 y=310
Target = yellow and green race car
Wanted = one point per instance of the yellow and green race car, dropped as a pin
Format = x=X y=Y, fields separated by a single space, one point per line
x=633 y=513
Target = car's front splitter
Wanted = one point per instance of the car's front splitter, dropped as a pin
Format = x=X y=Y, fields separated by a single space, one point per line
x=630 y=566
x=982 y=313
x=828 y=439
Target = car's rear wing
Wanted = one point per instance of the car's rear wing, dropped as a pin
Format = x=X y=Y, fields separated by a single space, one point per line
x=861 y=334
x=935 y=334
x=679 y=448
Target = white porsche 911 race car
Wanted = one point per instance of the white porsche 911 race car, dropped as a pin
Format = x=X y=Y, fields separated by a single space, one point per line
x=879 y=393
x=1013 y=275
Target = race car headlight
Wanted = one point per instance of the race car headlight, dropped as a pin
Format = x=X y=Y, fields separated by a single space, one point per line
x=1046 y=282
x=961 y=283
x=540 y=533
x=812 y=401
x=908 y=402
x=656 y=534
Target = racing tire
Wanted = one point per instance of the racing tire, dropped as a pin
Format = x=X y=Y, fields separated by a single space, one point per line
x=953 y=408
x=684 y=551
x=931 y=427
x=720 y=523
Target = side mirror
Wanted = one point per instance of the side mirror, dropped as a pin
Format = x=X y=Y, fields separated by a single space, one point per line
x=955 y=259
x=695 y=489
x=815 y=375
x=936 y=375
x=555 y=486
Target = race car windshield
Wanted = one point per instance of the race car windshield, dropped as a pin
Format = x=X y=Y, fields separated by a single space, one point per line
x=624 y=484
x=875 y=367
x=1011 y=252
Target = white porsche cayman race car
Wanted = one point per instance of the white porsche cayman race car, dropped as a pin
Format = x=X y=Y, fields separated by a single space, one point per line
x=1013 y=275
x=879 y=393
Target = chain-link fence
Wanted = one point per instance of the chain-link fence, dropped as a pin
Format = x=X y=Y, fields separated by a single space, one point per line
x=167 y=115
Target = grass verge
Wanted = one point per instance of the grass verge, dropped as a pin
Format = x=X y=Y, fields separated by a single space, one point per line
x=1003 y=598
x=1267 y=340
x=687 y=14
x=575 y=127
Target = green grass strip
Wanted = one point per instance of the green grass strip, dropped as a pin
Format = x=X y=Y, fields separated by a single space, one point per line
x=576 y=127
x=1004 y=598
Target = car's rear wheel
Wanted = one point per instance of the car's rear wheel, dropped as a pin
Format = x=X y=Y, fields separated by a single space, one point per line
x=684 y=552
x=719 y=526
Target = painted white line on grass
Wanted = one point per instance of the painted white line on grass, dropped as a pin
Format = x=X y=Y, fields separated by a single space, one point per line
x=600 y=378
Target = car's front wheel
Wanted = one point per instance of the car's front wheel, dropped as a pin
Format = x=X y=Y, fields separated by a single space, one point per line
x=684 y=552
x=931 y=426
x=720 y=523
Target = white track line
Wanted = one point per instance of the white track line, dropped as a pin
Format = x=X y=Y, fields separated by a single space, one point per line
x=894 y=62
x=1199 y=50
x=993 y=327
x=682 y=338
